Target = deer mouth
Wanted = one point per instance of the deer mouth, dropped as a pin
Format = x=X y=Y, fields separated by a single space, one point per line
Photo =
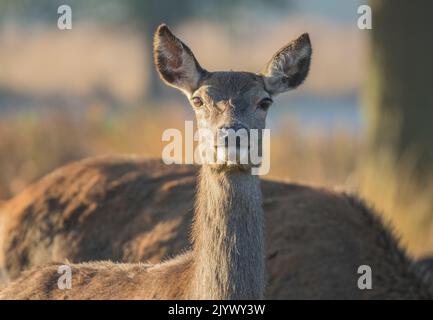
x=233 y=155
x=228 y=155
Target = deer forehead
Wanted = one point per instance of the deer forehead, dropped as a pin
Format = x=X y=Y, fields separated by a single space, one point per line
x=221 y=86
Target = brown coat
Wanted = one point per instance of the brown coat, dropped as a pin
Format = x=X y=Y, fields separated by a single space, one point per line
x=133 y=209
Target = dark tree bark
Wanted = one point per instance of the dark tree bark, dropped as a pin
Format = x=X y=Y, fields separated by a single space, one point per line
x=400 y=79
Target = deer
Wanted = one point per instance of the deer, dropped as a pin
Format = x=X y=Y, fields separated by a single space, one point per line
x=317 y=241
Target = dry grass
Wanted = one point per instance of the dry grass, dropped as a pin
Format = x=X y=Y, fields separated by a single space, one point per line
x=31 y=145
x=396 y=191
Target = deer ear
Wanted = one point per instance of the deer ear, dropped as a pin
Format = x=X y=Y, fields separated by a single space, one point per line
x=289 y=67
x=175 y=62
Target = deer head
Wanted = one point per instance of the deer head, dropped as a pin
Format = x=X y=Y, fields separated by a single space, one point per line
x=229 y=103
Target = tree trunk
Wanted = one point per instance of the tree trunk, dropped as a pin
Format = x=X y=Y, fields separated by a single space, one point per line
x=400 y=79
x=150 y=14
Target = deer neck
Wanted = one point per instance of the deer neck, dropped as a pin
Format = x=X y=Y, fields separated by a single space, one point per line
x=228 y=236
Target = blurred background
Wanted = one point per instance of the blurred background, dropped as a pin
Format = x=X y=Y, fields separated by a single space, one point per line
x=362 y=121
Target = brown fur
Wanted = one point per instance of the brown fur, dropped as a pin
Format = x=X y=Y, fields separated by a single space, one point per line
x=315 y=239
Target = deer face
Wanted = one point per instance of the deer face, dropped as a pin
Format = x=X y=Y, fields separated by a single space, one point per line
x=230 y=104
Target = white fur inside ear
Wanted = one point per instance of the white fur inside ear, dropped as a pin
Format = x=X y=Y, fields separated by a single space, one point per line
x=288 y=60
x=280 y=64
x=180 y=64
x=288 y=67
x=189 y=68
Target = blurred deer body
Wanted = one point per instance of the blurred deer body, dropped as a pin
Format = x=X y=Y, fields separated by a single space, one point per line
x=134 y=209
x=315 y=239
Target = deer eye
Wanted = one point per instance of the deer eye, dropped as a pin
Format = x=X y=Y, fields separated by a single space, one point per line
x=197 y=102
x=265 y=103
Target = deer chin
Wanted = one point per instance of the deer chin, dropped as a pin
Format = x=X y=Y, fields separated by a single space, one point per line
x=233 y=167
x=231 y=159
x=222 y=158
x=232 y=155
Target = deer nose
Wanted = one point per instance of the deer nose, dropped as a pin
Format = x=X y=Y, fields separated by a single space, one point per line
x=224 y=132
